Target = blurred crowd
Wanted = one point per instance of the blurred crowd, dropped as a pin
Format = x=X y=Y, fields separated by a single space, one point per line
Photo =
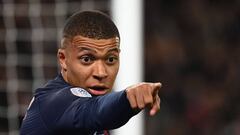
x=193 y=48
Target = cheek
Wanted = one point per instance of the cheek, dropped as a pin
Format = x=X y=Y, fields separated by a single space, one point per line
x=79 y=73
x=82 y=72
x=112 y=76
x=113 y=71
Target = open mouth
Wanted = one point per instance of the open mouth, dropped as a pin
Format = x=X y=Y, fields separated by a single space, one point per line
x=98 y=90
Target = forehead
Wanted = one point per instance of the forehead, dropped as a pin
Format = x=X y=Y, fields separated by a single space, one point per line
x=80 y=41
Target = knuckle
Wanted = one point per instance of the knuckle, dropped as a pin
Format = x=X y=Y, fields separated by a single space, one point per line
x=144 y=84
x=141 y=106
x=149 y=100
x=131 y=91
x=134 y=106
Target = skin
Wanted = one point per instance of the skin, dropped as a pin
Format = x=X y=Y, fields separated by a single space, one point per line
x=93 y=64
x=144 y=95
x=89 y=63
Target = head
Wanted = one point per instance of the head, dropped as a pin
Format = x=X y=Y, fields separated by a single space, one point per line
x=89 y=52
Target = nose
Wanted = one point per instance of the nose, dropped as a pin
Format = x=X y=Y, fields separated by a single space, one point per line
x=100 y=71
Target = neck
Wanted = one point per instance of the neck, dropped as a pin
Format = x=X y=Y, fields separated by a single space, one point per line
x=64 y=75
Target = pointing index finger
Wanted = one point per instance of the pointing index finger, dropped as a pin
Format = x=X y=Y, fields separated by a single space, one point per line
x=156 y=87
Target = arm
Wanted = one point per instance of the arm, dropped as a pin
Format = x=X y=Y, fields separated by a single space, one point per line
x=98 y=113
x=109 y=111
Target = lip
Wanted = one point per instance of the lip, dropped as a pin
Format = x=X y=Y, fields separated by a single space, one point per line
x=98 y=89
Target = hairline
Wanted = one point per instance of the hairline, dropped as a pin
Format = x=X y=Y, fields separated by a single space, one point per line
x=65 y=41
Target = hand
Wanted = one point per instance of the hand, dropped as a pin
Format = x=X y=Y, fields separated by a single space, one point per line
x=144 y=95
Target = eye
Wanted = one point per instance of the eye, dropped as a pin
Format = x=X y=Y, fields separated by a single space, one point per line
x=86 y=60
x=112 y=60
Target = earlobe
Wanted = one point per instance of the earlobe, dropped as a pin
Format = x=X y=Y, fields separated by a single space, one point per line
x=62 y=59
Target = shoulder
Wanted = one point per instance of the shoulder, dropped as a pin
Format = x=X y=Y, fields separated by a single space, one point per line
x=53 y=104
x=60 y=98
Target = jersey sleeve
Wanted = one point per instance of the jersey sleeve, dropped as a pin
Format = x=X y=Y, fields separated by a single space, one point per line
x=88 y=114
x=98 y=113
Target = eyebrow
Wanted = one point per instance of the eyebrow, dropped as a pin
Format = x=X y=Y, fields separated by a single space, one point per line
x=114 y=49
x=86 y=48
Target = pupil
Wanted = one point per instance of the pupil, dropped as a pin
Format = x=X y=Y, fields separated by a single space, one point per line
x=86 y=59
x=111 y=59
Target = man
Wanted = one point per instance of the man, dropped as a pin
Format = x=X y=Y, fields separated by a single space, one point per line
x=79 y=100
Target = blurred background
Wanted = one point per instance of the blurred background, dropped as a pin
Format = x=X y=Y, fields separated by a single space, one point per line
x=191 y=46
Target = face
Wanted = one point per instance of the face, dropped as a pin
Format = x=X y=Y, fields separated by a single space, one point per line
x=90 y=63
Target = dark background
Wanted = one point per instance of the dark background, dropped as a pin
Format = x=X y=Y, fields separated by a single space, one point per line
x=193 y=48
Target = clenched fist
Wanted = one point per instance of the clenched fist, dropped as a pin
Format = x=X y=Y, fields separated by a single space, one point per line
x=144 y=95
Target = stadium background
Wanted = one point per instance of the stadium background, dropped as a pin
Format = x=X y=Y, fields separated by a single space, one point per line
x=191 y=46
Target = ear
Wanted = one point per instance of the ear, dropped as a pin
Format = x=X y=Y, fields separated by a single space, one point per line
x=62 y=58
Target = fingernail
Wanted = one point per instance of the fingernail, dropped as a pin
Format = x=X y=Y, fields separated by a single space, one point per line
x=152 y=112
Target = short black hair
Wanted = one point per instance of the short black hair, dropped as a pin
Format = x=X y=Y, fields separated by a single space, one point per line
x=91 y=24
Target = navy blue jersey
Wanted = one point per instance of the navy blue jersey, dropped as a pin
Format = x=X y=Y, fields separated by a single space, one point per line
x=61 y=109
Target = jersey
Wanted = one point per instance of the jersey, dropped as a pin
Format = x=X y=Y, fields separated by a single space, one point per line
x=61 y=109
